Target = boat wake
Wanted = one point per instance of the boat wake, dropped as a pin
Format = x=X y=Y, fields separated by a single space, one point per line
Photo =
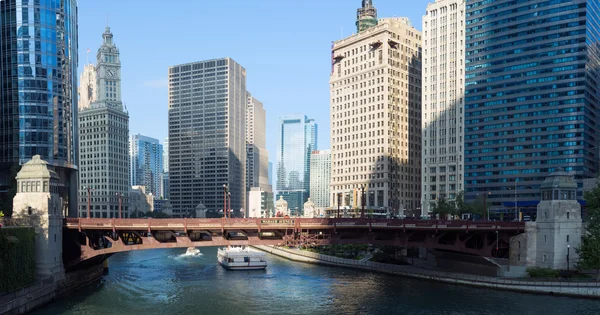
x=191 y=252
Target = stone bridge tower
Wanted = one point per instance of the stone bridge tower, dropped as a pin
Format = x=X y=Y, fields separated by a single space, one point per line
x=558 y=222
x=38 y=204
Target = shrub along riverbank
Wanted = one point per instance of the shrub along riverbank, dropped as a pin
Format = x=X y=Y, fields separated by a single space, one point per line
x=17 y=261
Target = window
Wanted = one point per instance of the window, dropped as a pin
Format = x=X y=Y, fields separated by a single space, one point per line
x=567 y=238
x=568 y=214
x=545 y=239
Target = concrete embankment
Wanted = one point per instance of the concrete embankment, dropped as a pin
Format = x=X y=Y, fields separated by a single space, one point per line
x=574 y=289
x=43 y=292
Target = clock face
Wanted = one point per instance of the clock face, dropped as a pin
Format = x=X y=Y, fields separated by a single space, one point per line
x=111 y=73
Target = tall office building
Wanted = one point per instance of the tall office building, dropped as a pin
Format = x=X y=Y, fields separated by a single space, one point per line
x=320 y=177
x=165 y=176
x=366 y=16
x=375 y=88
x=104 y=140
x=297 y=139
x=146 y=163
x=207 y=140
x=442 y=163
x=257 y=156
x=87 y=87
x=531 y=97
x=271 y=174
x=38 y=91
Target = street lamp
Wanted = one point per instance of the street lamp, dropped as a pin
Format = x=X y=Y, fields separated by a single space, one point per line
x=485 y=204
x=89 y=190
x=224 y=200
x=362 y=201
x=229 y=205
x=120 y=196
x=339 y=200
x=496 y=243
x=568 y=252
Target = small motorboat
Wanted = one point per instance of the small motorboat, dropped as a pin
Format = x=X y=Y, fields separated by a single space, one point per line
x=192 y=251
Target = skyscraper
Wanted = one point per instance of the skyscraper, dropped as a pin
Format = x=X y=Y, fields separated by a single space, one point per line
x=320 y=177
x=297 y=139
x=443 y=102
x=531 y=97
x=207 y=135
x=87 y=87
x=257 y=156
x=165 y=177
x=104 y=140
x=375 y=95
x=366 y=16
x=146 y=163
x=38 y=91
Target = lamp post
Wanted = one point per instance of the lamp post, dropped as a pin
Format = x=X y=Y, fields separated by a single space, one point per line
x=339 y=200
x=224 y=200
x=496 y=243
x=516 y=209
x=120 y=196
x=485 y=204
x=568 y=252
x=362 y=201
x=88 y=199
x=229 y=205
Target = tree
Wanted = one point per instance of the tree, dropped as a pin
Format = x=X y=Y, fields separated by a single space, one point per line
x=443 y=208
x=589 y=251
x=6 y=198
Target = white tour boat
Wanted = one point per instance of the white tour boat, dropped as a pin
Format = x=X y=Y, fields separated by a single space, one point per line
x=192 y=251
x=238 y=258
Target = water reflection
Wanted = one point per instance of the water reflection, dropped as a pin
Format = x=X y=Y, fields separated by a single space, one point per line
x=163 y=282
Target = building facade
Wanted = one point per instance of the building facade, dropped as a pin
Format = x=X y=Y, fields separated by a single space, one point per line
x=104 y=141
x=257 y=156
x=87 y=87
x=146 y=163
x=320 y=177
x=531 y=97
x=297 y=139
x=38 y=91
x=442 y=162
x=165 y=177
x=375 y=89
x=260 y=203
x=207 y=141
x=141 y=201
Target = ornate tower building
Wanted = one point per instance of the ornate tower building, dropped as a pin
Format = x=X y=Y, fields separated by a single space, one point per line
x=366 y=16
x=104 y=144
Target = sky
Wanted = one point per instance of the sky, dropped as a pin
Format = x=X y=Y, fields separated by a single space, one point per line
x=284 y=45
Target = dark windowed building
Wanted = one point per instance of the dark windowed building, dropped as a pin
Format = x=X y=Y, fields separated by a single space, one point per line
x=531 y=97
x=38 y=90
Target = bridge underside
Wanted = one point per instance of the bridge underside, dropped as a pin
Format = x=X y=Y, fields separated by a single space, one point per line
x=84 y=246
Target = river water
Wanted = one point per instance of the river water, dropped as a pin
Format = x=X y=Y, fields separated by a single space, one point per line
x=164 y=281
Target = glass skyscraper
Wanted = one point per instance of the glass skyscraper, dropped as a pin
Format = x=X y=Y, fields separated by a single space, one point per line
x=297 y=139
x=531 y=96
x=38 y=89
x=147 y=163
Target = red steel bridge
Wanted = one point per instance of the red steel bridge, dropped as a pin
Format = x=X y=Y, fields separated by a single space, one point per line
x=88 y=239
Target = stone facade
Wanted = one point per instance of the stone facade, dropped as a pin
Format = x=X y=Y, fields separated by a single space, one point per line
x=281 y=207
x=37 y=202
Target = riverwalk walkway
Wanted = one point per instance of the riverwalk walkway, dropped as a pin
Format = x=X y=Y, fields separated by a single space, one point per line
x=587 y=289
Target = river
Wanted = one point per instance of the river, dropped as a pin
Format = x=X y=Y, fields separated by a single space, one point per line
x=164 y=281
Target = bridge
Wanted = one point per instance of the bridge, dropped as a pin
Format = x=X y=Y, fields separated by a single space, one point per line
x=90 y=240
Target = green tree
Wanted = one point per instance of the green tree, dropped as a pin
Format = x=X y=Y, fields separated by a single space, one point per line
x=157 y=215
x=6 y=198
x=443 y=208
x=589 y=251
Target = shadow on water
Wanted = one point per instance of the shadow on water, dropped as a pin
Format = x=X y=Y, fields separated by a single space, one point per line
x=164 y=282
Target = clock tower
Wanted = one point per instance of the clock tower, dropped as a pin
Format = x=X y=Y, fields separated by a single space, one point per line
x=104 y=141
x=108 y=69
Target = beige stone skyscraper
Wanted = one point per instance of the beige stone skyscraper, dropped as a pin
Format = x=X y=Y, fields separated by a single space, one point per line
x=375 y=88
x=87 y=87
x=443 y=101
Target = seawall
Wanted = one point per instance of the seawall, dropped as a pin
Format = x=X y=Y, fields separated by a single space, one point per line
x=574 y=289
x=43 y=292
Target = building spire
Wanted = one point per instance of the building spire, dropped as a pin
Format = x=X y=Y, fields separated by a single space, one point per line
x=366 y=16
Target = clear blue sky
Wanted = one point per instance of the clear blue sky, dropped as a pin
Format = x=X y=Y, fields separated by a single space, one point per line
x=285 y=46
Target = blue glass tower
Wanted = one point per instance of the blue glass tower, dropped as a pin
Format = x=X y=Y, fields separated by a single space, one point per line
x=147 y=163
x=298 y=138
x=531 y=95
x=38 y=91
